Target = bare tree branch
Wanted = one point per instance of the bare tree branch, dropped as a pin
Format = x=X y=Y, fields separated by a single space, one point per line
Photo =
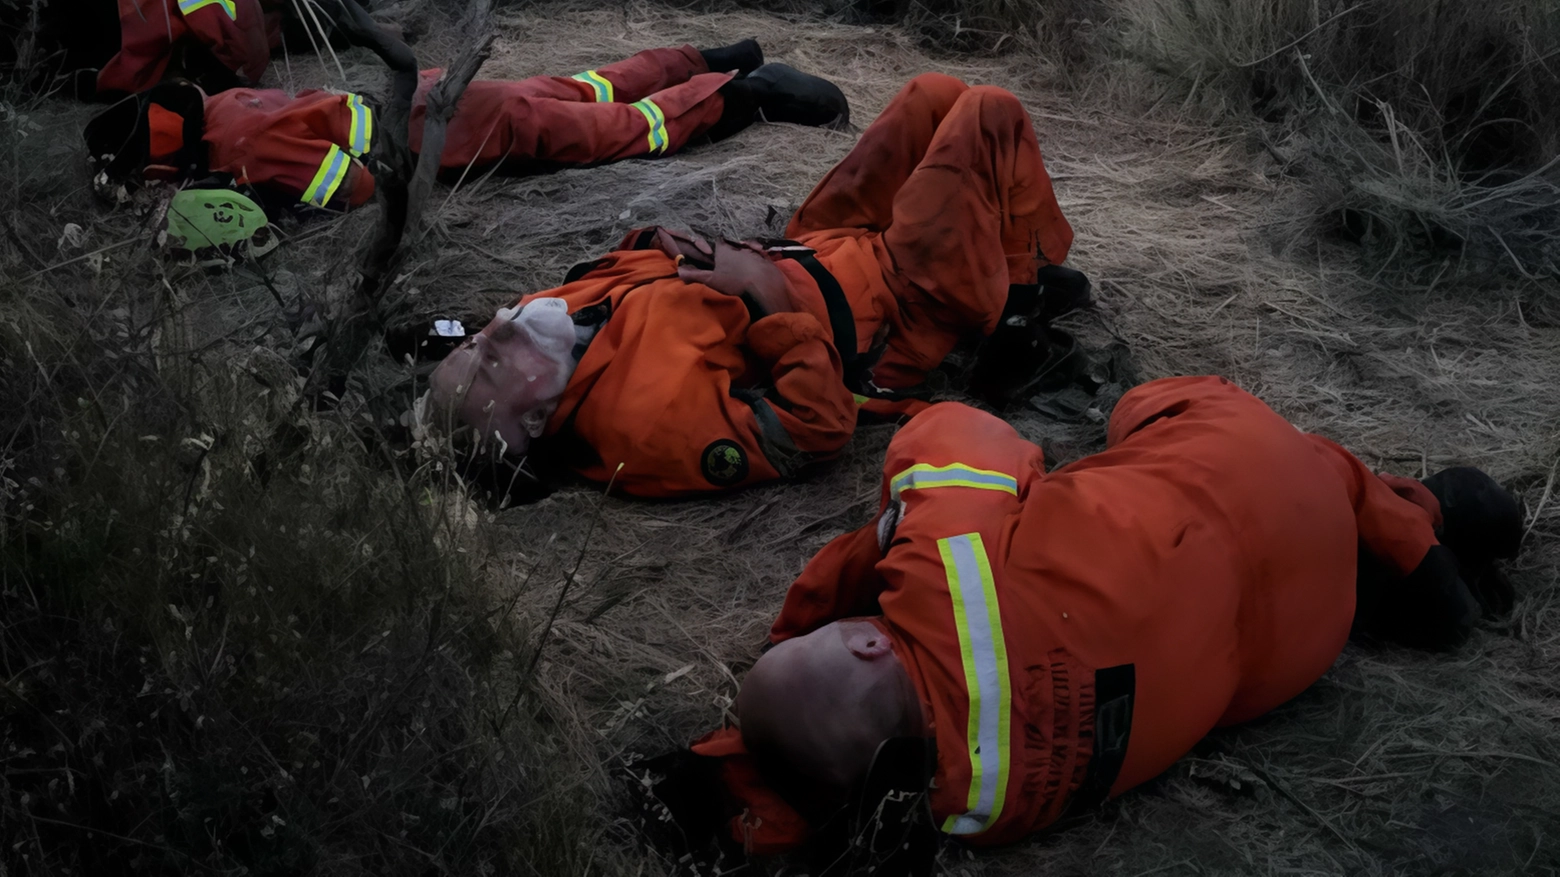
x=393 y=158
x=478 y=29
x=404 y=191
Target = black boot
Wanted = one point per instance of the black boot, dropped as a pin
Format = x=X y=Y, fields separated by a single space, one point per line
x=1061 y=290
x=743 y=57
x=740 y=110
x=1023 y=356
x=1481 y=523
x=1430 y=608
x=786 y=94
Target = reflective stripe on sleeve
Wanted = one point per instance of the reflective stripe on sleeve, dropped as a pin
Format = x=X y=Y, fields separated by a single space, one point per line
x=328 y=178
x=925 y=475
x=228 y=6
x=598 y=83
x=362 y=133
x=657 y=120
x=979 y=622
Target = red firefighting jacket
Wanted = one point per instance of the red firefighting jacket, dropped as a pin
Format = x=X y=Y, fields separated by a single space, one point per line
x=684 y=389
x=308 y=146
x=235 y=31
x=1207 y=557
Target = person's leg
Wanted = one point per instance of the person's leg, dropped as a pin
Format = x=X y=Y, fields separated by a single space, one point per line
x=645 y=73
x=975 y=218
x=859 y=191
x=503 y=121
x=633 y=78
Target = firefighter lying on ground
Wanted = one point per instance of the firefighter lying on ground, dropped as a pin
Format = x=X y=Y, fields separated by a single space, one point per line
x=1013 y=646
x=315 y=148
x=673 y=366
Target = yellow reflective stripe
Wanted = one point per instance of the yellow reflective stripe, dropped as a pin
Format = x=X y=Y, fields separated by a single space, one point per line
x=228 y=6
x=978 y=619
x=860 y=399
x=362 y=130
x=924 y=475
x=600 y=84
x=657 y=120
x=328 y=178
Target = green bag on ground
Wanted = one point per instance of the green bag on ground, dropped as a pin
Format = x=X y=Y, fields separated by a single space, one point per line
x=217 y=226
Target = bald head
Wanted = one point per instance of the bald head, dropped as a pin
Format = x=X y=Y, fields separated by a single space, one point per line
x=817 y=707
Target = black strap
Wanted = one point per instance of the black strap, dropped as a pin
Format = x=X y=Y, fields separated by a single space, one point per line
x=841 y=320
x=1114 y=691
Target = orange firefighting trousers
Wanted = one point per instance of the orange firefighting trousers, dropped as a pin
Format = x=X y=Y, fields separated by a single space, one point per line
x=949 y=187
x=1212 y=547
x=646 y=105
x=311 y=146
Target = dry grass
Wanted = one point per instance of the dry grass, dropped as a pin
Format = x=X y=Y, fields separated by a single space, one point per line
x=1377 y=770
x=1424 y=129
x=1396 y=762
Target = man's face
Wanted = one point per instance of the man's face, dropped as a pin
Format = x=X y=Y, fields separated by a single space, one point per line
x=500 y=383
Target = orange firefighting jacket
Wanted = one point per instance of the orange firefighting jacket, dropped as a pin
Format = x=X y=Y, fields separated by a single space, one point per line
x=1202 y=567
x=236 y=32
x=688 y=392
x=308 y=146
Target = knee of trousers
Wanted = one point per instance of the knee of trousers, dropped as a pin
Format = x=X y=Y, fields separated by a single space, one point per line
x=997 y=104
x=936 y=90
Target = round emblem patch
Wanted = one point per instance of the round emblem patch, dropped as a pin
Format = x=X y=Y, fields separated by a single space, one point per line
x=724 y=463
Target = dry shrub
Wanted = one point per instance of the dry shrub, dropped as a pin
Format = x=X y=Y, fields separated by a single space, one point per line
x=1424 y=128
x=240 y=635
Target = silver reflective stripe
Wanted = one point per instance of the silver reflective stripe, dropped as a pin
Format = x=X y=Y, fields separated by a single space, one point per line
x=925 y=475
x=978 y=619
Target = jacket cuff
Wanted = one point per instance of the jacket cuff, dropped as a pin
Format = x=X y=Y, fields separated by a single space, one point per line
x=771 y=337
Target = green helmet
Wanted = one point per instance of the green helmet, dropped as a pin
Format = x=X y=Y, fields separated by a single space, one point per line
x=216 y=226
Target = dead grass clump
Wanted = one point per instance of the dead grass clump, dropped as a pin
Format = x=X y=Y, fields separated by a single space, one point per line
x=1424 y=129
x=239 y=634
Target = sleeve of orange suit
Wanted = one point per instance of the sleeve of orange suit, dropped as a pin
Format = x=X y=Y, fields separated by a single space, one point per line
x=841 y=581
x=234 y=31
x=1396 y=530
x=314 y=157
x=809 y=396
x=319 y=173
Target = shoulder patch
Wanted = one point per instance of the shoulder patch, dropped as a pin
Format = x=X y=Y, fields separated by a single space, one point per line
x=724 y=463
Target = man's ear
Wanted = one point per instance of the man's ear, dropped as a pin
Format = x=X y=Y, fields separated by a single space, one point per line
x=865 y=641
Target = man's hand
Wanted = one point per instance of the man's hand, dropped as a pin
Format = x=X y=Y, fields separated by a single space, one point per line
x=742 y=269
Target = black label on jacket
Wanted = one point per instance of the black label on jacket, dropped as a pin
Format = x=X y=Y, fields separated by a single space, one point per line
x=724 y=463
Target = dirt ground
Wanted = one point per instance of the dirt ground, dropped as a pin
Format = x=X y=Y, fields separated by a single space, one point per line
x=1395 y=762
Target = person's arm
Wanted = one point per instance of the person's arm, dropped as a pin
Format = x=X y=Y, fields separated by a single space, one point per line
x=1395 y=530
x=807 y=397
x=841 y=581
x=301 y=159
x=234 y=31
